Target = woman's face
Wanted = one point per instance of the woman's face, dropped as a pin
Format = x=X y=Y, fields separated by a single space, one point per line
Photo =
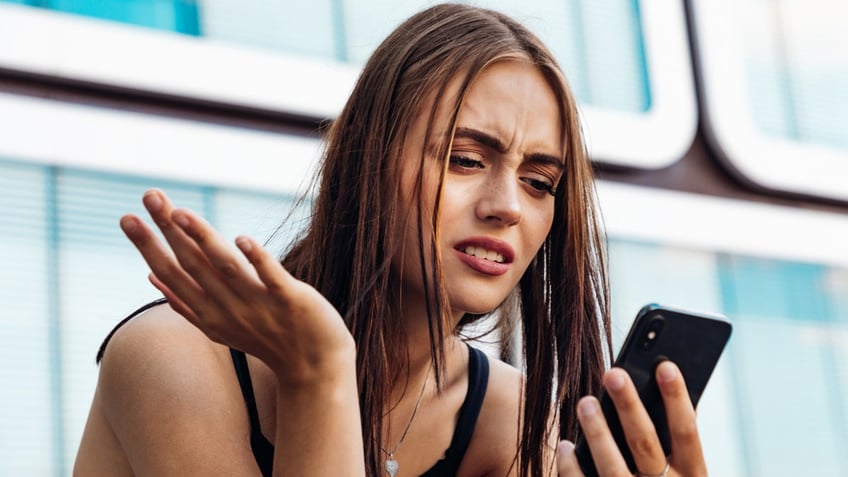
x=497 y=204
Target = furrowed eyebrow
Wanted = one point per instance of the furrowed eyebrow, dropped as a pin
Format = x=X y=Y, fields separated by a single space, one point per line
x=546 y=159
x=496 y=144
x=481 y=137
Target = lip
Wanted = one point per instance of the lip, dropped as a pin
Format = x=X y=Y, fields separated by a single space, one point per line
x=486 y=267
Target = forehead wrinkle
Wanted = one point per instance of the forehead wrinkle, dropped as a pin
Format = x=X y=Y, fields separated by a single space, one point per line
x=489 y=126
x=490 y=133
x=494 y=142
x=483 y=137
x=516 y=128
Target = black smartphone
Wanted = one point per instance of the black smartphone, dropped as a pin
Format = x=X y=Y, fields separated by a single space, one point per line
x=693 y=341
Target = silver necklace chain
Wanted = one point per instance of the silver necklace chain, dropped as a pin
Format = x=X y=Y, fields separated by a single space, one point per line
x=390 y=463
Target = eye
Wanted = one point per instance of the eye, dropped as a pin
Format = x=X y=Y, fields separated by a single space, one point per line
x=539 y=185
x=465 y=162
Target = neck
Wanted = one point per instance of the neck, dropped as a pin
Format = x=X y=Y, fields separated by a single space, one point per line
x=416 y=324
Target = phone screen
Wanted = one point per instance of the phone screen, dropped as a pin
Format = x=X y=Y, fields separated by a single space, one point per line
x=693 y=341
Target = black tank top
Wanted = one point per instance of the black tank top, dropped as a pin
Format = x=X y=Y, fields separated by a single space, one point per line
x=478 y=381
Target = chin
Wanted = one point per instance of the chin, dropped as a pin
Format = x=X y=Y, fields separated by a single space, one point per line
x=479 y=311
x=479 y=295
x=478 y=306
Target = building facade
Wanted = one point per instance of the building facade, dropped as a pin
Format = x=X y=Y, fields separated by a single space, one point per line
x=719 y=128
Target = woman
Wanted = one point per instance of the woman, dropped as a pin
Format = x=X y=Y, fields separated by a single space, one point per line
x=454 y=184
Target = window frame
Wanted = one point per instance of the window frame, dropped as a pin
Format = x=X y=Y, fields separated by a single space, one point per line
x=721 y=225
x=662 y=135
x=117 y=54
x=729 y=122
x=65 y=134
x=92 y=50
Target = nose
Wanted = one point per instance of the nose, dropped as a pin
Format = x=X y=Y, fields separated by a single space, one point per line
x=499 y=200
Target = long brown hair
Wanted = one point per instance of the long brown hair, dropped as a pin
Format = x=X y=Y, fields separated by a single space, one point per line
x=346 y=250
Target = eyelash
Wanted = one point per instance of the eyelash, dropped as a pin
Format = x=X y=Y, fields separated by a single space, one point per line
x=468 y=163
x=539 y=185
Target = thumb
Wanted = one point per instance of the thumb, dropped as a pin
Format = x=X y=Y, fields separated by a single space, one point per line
x=564 y=449
x=566 y=460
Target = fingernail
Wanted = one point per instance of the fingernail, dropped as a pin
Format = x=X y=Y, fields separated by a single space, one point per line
x=587 y=407
x=564 y=449
x=128 y=225
x=181 y=219
x=244 y=244
x=667 y=372
x=152 y=201
x=615 y=381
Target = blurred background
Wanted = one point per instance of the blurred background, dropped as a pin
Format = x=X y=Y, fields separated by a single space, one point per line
x=719 y=129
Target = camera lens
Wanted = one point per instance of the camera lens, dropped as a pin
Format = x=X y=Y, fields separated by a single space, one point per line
x=652 y=332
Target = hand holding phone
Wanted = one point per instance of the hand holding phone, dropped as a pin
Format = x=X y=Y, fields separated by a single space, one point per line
x=693 y=341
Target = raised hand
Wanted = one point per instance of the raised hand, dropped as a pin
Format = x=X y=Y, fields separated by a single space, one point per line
x=247 y=301
x=687 y=458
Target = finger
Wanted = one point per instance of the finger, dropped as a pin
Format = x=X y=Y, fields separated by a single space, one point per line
x=173 y=300
x=687 y=456
x=275 y=277
x=161 y=261
x=567 y=465
x=189 y=255
x=639 y=430
x=608 y=459
x=226 y=265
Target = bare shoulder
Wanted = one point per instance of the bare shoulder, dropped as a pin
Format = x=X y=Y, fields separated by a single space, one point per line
x=158 y=355
x=495 y=438
x=504 y=389
x=167 y=395
x=153 y=338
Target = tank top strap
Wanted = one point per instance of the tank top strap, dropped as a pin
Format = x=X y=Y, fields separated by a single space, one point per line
x=121 y=323
x=263 y=450
x=246 y=385
x=478 y=381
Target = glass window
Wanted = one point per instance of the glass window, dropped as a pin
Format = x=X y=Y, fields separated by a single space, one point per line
x=644 y=272
x=172 y=15
x=302 y=28
x=649 y=272
x=793 y=70
x=785 y=366
x=28 y=403
x=271 y=219
x=628 y=60
x=783 y=373
x=773 y=79
x=781 y=276
x=367 y=23
x=100 y=278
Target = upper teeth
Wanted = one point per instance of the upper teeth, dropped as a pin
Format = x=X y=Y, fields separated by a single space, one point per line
x=481 y=252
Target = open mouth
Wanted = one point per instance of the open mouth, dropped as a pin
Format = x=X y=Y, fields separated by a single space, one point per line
x=480 y=252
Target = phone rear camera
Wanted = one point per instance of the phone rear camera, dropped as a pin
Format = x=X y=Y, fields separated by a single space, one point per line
x=652 y=332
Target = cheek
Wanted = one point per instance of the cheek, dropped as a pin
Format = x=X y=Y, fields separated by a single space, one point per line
x=541 y=226
x=457 y=214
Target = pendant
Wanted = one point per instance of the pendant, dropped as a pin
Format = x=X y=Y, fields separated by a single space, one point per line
x=391 y=466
